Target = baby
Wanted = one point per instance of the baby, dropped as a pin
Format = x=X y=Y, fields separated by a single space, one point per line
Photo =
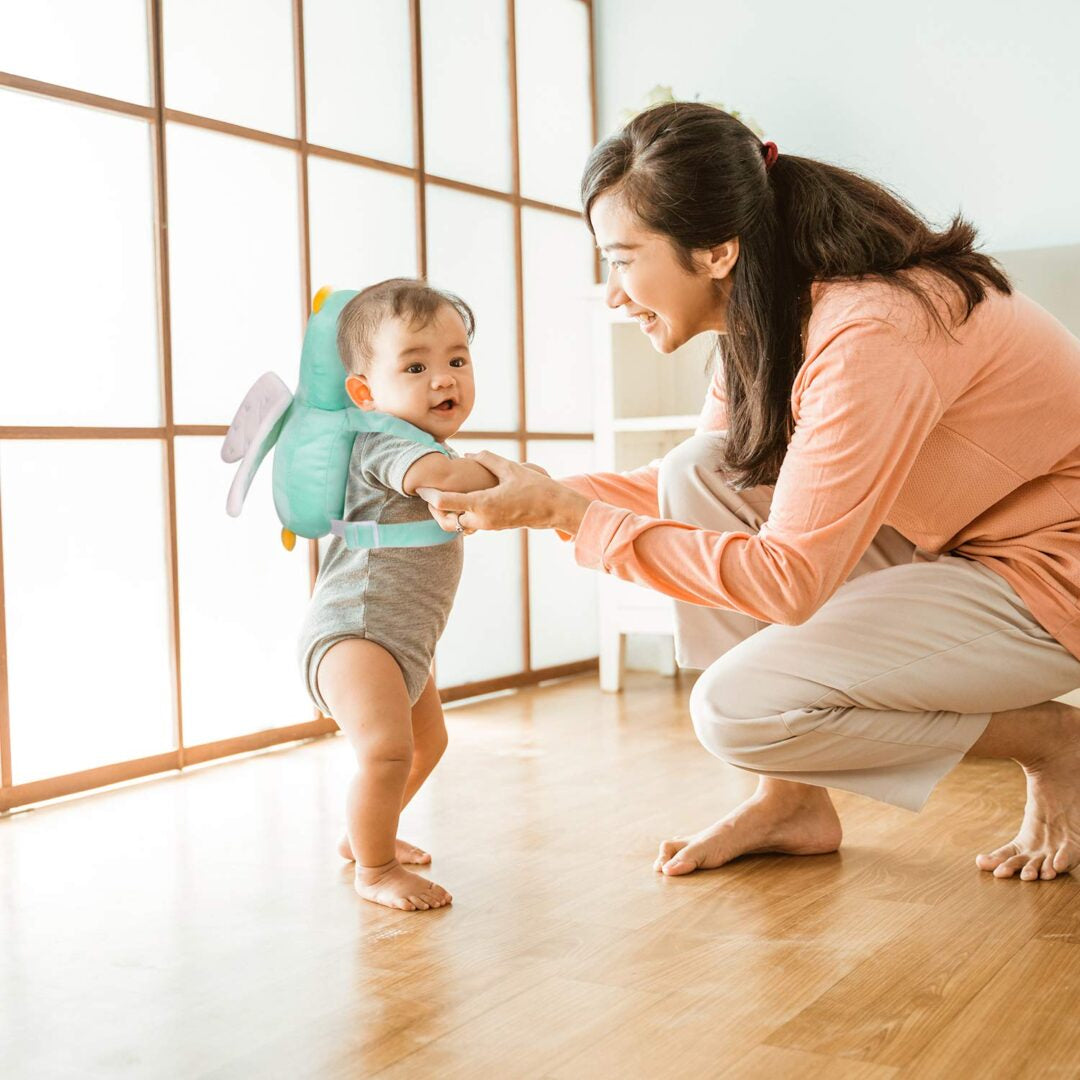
x=376 y=614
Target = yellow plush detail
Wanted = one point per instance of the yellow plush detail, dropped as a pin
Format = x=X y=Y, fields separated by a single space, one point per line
x=288 y=539
x=320 y=296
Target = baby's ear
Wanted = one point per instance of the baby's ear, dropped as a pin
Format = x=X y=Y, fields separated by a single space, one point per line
x=359 y=392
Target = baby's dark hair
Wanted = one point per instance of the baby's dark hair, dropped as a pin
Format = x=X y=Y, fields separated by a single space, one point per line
x=394 y=298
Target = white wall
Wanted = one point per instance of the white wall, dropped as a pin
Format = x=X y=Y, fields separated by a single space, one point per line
x=971 y=104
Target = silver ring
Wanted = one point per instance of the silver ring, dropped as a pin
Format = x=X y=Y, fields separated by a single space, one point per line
x=460 y=527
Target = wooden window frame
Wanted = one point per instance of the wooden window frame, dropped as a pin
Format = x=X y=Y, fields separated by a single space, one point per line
x=157 y=115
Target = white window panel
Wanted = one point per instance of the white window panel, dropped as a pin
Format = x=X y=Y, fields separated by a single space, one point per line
x=358 y=75
x=100 y=48
x=242 y=598
x=232 y=60
x=471 y=252
x=466 y=59
x=483 y=638
x=234 y=269
x=557 y=262
x=562 y=595
x=86 y=603
x=554 y=100
x=78 y=297
x=363 y=225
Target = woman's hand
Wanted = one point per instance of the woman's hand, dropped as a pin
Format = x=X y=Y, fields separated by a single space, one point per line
x=525 y=497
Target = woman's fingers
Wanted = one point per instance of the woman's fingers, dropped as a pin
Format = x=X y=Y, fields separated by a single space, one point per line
x=454 y=501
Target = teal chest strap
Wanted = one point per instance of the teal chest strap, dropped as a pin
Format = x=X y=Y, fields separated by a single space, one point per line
x=372 y=534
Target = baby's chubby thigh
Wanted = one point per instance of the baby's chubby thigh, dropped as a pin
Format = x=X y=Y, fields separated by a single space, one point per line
x=364 y=688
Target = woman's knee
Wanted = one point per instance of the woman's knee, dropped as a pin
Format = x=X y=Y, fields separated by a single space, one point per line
x=681 y=470
x=731 y=717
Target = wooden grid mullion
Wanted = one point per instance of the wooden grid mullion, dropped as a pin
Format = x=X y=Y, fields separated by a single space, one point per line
x=300 y=79
x=5 y=714
x=161 y=213
x=519 y=292
x=416 y=48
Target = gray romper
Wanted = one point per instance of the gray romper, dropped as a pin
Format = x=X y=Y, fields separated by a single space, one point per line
x=400 y=598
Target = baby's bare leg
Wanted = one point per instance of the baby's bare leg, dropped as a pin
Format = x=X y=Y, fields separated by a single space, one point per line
x=363 y=687
x=429 y=742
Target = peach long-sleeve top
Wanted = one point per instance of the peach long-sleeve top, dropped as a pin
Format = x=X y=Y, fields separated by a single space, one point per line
x=968 y=446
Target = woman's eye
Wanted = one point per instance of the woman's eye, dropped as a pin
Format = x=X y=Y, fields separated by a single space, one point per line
x=414 y=369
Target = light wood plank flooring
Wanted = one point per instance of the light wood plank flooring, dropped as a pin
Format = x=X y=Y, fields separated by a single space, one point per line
x=202 y=926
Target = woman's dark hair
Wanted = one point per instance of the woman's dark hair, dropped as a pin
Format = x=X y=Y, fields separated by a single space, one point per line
x=698 y=176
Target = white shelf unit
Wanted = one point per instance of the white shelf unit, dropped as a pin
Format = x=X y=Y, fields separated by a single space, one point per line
x=646 y=404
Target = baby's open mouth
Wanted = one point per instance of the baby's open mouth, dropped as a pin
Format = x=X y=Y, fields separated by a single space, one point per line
x=446 y=406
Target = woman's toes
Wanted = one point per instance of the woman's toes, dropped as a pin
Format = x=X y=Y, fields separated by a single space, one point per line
x=1064 y=861
x=994 y=859
x=1048 y=871
x=683 y=861
x=1010 y=866
x=667 y=849
x=1032 y=869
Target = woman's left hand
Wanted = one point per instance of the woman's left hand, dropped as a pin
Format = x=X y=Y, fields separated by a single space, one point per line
x=525 y=497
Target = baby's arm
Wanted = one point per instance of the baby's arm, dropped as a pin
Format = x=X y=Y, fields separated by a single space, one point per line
x=437 y=471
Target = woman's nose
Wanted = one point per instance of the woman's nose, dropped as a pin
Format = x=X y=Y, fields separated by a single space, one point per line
x=614 y=297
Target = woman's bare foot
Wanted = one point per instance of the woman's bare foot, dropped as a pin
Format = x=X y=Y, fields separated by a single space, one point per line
x=1048 y=842
x=781 y=816
x=394 y=886
x=404 y=852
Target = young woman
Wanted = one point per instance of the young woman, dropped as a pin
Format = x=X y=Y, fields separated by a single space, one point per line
x=875 y=535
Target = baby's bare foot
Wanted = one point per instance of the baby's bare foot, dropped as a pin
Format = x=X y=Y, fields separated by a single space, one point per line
x=394 y=886
x=404 y=852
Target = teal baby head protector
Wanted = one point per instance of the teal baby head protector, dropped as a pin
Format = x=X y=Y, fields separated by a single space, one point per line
x=311 y=434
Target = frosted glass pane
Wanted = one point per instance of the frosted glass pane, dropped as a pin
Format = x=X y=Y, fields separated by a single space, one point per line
x=483 y=639
x=232 y=60
x=234 y=257
x=471 y=252
x=554 y=102
x=363 y=225
x=358 y=70
x=78 y=299
x=86 y=599
x=100 y=47
x=466 y=51
x=242 y=597
x=562 y=595
x=557 y=259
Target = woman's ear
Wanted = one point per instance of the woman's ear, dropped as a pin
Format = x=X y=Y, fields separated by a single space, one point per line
x=719 y=261
x=359 y=392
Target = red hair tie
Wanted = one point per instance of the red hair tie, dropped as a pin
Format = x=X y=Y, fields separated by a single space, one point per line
x=771 y=154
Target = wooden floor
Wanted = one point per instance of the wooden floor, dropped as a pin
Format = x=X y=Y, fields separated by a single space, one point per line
x=202 y=926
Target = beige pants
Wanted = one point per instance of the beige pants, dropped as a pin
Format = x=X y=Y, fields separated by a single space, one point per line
x=885 y=687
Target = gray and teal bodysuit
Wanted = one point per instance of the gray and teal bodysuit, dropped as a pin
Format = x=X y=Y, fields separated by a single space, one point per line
x=398 y=597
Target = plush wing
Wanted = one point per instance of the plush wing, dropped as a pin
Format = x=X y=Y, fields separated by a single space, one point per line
x=252 y=433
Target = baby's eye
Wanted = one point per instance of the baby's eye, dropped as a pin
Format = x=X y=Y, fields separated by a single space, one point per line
x=458 y=361
x=414 y=369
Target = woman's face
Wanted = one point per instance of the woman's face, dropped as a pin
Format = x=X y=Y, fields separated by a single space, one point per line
x=672 y=304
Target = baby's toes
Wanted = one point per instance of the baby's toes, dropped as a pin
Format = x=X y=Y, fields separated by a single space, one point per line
x=419 y=903
x=1011 y=866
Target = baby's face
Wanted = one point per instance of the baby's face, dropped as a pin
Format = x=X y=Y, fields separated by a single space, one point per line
x=414 y=373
